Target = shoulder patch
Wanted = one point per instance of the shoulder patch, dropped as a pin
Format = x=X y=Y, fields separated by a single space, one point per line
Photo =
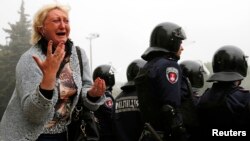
x=109 y=102
x=172 y=74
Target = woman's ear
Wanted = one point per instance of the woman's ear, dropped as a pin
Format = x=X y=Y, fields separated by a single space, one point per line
x=40 y=30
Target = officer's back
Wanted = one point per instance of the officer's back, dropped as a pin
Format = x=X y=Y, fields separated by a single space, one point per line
x=128 y=124
x=225 y=106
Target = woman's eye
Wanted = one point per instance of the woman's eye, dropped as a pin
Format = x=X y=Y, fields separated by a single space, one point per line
x=56 y=21
x=66 y=21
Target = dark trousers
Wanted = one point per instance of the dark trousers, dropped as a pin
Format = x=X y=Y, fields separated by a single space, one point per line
x=53 y=137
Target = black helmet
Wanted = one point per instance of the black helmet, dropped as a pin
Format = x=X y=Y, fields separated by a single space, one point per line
x=105 y=72
x=229 y=64
x=194 y=71
x=133 y=69
x=165 y=37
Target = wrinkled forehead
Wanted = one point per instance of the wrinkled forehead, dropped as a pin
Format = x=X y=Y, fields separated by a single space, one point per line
x=57 y=12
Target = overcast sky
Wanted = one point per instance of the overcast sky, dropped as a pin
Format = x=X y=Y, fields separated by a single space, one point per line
x=125 y=26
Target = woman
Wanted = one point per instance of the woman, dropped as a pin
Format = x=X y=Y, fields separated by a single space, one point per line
x=48 y=82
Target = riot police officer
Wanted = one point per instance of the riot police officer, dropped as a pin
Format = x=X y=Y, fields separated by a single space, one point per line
x=159 y=84
x=103 y=114
x=128 y=123
x=225 y=106
x=193 y=71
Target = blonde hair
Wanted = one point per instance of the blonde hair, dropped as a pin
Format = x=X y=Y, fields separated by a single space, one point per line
x=39 y=18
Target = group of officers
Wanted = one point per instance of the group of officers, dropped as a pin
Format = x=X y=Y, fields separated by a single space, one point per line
x=161 y=100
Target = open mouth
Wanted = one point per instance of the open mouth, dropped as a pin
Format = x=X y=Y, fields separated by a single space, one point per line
x=61 y=33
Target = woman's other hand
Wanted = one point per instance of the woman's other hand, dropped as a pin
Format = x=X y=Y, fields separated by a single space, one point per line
x=98 y=88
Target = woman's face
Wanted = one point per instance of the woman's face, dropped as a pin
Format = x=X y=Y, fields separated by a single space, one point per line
x=56 y=26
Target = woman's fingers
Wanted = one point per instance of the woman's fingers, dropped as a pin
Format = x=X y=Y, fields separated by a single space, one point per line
x=60 y=51
x=53 y=60
x=49 y=48
x=102 y=85
x=98 y=88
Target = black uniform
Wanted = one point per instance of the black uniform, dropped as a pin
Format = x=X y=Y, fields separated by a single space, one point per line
x=159 y=84
x=188 y=110
x=192 y=81
x=127 y=119
x=128 y=124
x=104 y=112
x=224 y=107
x=161 y=102
x=103 y=115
